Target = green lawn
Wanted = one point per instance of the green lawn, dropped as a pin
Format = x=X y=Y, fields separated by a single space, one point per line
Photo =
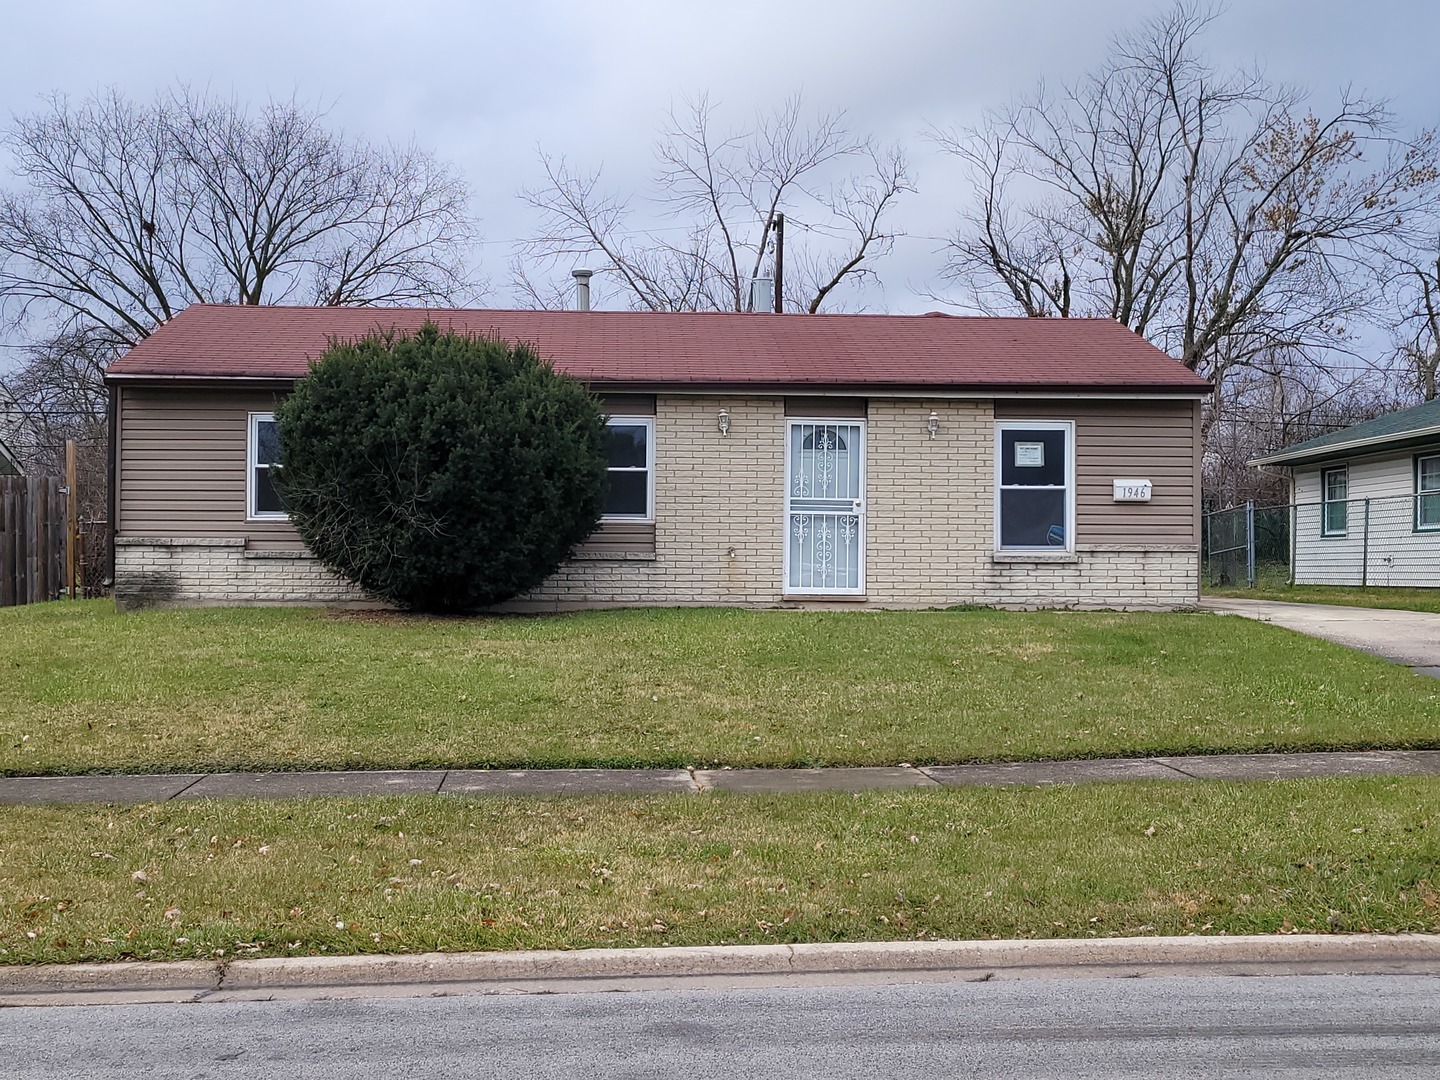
x=214 y=878
x=1351 y=596
x=84 y=689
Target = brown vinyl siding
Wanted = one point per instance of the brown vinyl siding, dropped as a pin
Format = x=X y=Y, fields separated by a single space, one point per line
x=181 y=459
x=182 y=465
x=620 y=538
x=1117 y=440
x=826 y=408
x=628 y=404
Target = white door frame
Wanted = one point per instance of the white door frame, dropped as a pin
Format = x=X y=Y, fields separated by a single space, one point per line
x=856 y=508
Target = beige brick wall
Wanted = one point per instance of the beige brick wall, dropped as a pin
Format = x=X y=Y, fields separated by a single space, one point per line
x=152 y=571
x=931 y=530
x=1097 y=576
x=929 y=501
x=719 y=530
x=718 y=513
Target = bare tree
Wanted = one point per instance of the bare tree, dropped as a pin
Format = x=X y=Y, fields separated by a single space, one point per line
x=723 y=191
x=57 y=393
x=1210 y=212
x=1275 y=400
x=1413 y=275
x=126 y=213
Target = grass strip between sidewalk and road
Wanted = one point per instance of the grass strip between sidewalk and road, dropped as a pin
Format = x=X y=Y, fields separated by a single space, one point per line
x=85 y=689
x=404 y=874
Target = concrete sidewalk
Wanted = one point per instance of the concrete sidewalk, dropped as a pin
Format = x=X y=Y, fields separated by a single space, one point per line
x=1411 y=638
x=39 y=790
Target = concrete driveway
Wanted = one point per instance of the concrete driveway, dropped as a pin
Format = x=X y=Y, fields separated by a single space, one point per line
x=1411 y=638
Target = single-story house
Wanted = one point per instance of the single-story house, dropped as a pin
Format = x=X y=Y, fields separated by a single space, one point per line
x=1365 y=502
x=757 y=459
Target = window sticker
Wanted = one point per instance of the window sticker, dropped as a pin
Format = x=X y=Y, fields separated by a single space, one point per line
x=1029 y=455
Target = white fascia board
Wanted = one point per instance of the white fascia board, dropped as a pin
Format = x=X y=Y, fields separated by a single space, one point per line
x=1344 y=449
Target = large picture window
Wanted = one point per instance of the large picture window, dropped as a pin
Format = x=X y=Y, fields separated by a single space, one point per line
x=261 y=497
x=1334 y=509
x=1427 y=492
x=1034 y=486
x=630 y=491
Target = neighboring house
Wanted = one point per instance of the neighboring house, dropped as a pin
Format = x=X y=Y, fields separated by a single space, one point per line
x=858 y=460
x=9 y=463
x=1366 y=502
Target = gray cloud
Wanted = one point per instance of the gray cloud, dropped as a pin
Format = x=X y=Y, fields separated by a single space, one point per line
x=483 y=84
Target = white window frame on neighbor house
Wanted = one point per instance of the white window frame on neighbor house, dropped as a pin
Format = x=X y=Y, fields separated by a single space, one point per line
x=1421 y=525
x=1326 y=501
x=1067 y=427
x=252 y=462
x=648 y=423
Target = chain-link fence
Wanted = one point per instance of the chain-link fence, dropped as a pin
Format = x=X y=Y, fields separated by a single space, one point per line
x=1393 y=540
x=1247 y=545
x=92 y=557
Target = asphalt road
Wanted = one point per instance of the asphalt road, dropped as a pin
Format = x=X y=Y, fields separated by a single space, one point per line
x=1283 y=1027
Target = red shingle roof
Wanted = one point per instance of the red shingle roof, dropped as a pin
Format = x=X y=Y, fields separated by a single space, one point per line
x=619 y=349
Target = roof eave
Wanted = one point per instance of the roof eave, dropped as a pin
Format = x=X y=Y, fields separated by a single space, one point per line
x=1298 y=456
x=190 y=376
x=759 y=386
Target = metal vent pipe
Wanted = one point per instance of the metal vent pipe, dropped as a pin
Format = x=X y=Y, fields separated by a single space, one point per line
x=582 y=288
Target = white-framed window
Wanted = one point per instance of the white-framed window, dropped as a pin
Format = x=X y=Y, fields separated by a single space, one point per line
x=262 y=500
x=1035 y=485
x=1427 y=492
x=1334 y=509
x=630 y=493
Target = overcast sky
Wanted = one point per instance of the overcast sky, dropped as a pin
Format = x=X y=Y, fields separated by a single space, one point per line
x=482 y=84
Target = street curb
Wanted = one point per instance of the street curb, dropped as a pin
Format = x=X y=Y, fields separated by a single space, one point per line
x=590 y=970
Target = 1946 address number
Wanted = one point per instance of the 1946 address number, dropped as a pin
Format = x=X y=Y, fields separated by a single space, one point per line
x=1132 y=490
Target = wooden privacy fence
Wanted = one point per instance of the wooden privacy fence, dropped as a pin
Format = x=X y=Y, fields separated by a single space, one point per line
x=33 y=528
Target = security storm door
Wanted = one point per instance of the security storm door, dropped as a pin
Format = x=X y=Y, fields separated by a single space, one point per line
x=825 y=507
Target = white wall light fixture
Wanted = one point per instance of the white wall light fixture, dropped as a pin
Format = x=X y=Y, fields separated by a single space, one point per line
x=723 y=422
x=933 y=424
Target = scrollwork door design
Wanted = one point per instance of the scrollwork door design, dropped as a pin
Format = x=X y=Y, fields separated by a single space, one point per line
x=825 y=507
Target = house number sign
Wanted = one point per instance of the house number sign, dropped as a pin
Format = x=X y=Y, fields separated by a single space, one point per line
x=1132 y=490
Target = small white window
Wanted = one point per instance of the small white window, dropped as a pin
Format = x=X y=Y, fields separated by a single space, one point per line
x=1034 y=485
x=1427 y=492
x=1335 y=510
x=262 y=500
x=630 y=492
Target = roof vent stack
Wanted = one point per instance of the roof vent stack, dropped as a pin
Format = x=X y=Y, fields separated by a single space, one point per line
x=582 y=288
x=762 y=294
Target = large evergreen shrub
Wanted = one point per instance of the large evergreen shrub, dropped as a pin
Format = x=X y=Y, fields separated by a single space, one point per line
x=439 y=471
